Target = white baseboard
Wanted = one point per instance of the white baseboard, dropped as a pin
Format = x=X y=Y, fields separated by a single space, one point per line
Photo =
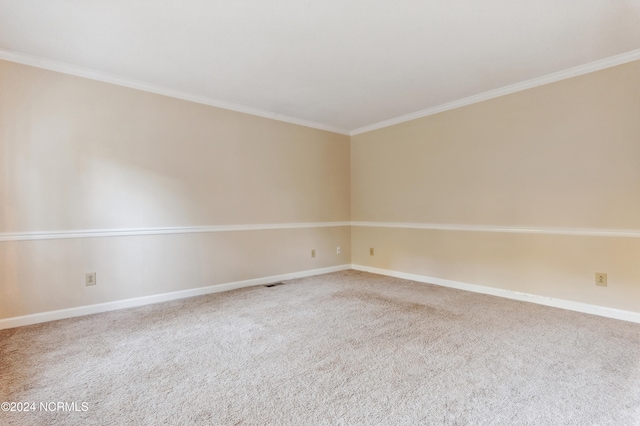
x=165 y=297
x=525 y=297
x=157 y=298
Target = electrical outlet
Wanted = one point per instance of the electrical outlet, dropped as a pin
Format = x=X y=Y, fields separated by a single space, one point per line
x=601 y=279
x=90 y=278
x=338 y=250
x=371 y=252
x=313 y=253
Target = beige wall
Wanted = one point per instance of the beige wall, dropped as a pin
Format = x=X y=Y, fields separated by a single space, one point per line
x=564 y=155
x=77 y=154
x=40 y=276
x=80 y=154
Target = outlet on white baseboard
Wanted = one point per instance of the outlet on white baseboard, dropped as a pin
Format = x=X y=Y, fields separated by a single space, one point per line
x=90 y=278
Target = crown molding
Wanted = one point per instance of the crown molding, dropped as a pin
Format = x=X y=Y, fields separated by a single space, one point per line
x=593 y=232
x=127 y=232
x=601 y=64
x=78 y=71
x=91 y=74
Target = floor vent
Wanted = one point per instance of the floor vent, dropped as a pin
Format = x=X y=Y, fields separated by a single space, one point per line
x=273 y=284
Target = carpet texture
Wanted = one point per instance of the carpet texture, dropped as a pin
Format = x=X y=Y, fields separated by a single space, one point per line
x=343 y=348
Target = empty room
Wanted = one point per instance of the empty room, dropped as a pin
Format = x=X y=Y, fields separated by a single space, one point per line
x=319 y=212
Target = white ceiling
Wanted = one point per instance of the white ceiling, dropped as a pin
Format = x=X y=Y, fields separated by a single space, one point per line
x=337 y=64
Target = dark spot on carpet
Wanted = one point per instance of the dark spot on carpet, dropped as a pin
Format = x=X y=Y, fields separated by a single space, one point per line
x=395 y=304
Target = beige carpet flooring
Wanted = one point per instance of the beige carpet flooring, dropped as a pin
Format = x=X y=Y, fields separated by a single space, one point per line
x=338 y=349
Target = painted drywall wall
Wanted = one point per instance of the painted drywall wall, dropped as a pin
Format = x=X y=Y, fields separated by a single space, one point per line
x=77 y=154
x=565 y=155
